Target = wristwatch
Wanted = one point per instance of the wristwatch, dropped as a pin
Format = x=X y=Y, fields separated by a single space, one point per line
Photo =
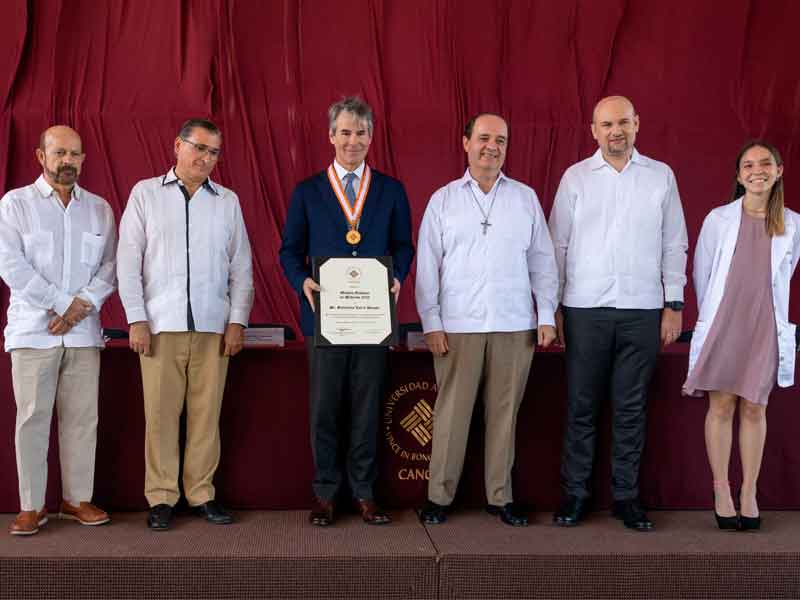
x=674 y=305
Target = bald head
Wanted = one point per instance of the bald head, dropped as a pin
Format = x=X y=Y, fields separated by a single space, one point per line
x=617 y=102
x=58 y=133
x=614 y=126
x=60 y=153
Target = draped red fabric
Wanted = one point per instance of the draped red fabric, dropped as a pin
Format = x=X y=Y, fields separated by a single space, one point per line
x=704 y=77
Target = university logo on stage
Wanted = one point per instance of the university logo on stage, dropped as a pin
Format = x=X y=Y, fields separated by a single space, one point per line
x=408 y=429
x=419 y=422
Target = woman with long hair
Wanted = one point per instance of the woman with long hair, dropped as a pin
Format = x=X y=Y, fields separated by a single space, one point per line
x=743 y=342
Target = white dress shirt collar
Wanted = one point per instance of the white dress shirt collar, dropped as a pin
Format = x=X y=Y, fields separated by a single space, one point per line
x=468 y=178
x=341 y=171
x=597 y=161
x=46 y=190
x=172 y=176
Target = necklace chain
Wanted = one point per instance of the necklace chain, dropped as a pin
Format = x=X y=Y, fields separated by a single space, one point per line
x=486 y=214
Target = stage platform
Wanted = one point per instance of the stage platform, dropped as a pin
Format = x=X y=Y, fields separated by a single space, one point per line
x=276 y=554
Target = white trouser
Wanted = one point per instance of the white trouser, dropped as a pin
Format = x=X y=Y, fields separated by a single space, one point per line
x=68 y=378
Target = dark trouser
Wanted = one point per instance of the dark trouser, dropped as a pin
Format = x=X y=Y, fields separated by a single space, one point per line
x=610 y=352
x=345 y=380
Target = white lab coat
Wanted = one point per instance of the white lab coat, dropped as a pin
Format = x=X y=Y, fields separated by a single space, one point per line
x=712 y=261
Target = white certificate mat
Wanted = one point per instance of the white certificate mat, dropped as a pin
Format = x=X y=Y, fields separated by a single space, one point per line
x=354 y=305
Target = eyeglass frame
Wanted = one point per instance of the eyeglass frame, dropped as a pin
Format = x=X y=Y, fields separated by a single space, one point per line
x=203 y=149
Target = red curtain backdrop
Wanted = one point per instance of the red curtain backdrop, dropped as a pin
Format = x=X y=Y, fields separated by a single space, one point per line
x=704 y=75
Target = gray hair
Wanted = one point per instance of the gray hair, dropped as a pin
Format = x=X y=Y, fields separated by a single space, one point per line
x=189 y=126
x=354 y=105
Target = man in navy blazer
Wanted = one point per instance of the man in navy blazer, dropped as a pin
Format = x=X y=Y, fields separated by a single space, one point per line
x=347 y=210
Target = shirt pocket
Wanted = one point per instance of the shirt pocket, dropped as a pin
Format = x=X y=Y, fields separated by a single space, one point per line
x=92 y=247
x=462 y=301
x=39 y=247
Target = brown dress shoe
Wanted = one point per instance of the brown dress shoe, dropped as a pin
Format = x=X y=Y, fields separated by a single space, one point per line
x=28 y=522
x=85 y=514
x=321 y=514
x=371 y=513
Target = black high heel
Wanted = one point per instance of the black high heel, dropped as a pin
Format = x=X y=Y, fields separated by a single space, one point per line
x=724 y=523
x=748 y=523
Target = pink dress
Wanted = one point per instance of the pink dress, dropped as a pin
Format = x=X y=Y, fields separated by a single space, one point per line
x=740 y=354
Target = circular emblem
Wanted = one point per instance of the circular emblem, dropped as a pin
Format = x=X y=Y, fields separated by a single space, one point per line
x=353 y=274
x=408 y=428
x=353 y=237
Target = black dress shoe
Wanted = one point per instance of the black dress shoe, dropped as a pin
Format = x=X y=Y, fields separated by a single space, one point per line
x=213 y=513
x=432 y=513
x=631 y=514
x=159 y=517
x=510 y=514
x=570 y=512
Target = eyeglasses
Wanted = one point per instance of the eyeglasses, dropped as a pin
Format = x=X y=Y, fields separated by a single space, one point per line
x=203 y=149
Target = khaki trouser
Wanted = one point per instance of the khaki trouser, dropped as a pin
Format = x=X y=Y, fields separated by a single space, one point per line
x=502 y=361
x=68 y=379
x=183 y=367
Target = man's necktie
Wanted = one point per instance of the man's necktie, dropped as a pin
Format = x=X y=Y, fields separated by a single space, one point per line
x=348 y=189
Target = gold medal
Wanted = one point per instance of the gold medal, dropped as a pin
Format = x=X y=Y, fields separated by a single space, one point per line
x=353 y=237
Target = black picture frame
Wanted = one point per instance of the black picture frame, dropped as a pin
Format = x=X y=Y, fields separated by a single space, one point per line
x=391 y=339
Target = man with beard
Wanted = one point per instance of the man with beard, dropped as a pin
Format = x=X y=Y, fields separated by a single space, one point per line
x=620 y=241
x=484 y=254
x=57 y=244
x=325 y=219
x=186 y=283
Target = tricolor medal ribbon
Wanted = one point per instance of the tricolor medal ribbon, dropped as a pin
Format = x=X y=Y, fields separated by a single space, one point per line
x=352 y=214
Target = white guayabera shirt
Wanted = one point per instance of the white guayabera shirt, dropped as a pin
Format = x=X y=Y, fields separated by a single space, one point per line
x=620 y=237
x=479 y=267
x=48 y=255
x=173 y=251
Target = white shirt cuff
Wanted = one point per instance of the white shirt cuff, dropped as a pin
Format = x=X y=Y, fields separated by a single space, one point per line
x=546 y=316
x=239 y=316
x=136 y=315
x=62 y=303
x=673 y=293
x=431 y=323
x=89 y=298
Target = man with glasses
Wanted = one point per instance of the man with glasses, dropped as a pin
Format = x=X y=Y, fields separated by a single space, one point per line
x=186 y=283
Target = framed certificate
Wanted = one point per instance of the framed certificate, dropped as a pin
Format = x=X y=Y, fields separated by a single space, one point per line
x=354 y=306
